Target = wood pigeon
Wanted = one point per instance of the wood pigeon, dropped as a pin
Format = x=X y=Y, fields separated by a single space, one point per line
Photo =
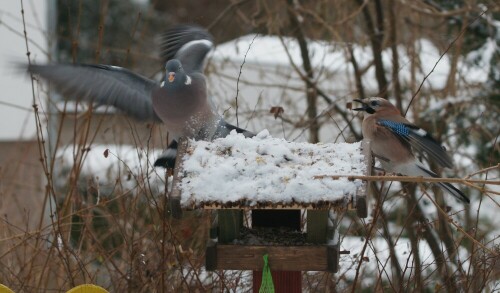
x=180 y=100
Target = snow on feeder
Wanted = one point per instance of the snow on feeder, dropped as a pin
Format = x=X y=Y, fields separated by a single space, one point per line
x=269 y=181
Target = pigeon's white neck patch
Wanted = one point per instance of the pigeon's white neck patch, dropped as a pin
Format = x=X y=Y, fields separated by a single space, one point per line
x=188 y=80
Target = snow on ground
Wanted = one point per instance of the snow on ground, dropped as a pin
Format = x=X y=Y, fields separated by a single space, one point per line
x=476 y=65
x=258 y=69
x=126 y=163
x=377 y=258
x=267 y=169
x=332 y=61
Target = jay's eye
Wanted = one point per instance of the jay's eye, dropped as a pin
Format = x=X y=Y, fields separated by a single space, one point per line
x=374 y=103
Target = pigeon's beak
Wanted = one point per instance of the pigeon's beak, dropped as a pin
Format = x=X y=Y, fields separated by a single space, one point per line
x=171 y=76
x=365 y=107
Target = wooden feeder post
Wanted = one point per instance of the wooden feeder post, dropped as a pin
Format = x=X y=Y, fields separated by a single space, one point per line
x=286 y=260
x=284 y=280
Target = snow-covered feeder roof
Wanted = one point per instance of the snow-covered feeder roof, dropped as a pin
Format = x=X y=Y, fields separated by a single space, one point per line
x=267 y=172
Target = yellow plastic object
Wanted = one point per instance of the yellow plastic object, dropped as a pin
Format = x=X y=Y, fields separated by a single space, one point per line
x=87 y=288
x=5 y=289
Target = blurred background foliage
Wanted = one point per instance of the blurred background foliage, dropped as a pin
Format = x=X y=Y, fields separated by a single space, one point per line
x=128 y=242
x=125 y=33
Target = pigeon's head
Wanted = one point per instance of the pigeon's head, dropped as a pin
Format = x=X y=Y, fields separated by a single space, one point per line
x=373 y=105
x=174 y=73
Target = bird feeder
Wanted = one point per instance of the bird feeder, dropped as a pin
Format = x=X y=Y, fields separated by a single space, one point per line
x=260 y=190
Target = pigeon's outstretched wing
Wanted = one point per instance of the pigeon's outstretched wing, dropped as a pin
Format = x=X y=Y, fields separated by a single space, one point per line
x=103 y=84
x=180 y=99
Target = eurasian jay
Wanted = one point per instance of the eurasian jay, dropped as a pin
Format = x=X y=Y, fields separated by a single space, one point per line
x=392 y=138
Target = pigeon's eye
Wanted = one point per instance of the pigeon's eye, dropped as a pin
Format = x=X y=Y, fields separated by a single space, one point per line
x=373 y=103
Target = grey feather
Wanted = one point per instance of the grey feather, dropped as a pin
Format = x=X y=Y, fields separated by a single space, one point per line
x=189 y=44
x=446 y=186
x=180 y=102
x=422 y=141
x=103 y=84
x=225 y=128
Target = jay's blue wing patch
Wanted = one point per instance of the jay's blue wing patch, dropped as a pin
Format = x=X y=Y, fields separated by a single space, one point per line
x=398 y=128
x=419 y=139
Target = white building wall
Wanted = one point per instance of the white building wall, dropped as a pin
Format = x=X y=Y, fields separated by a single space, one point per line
x=16 y=98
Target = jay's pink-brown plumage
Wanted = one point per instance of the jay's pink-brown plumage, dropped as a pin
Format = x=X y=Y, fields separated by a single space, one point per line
x=393 y=139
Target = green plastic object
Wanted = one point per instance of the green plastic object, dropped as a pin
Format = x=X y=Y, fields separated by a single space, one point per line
x=267 y=285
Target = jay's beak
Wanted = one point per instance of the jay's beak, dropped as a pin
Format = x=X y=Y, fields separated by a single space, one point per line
x=361 y=108
x=171 y=76
x=364 y=107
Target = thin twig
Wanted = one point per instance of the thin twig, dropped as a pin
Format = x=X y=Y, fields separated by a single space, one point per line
x=485 y=170
x=441 y=57
x=418 y=179
x=460 y=228
x=239 y=75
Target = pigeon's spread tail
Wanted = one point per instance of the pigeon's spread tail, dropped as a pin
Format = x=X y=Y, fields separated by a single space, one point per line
x=165 y=162
x=167 y=158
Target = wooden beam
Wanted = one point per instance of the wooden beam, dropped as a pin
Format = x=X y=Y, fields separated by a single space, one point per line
x=230 y=222
x=281 y=261
x=281 y=258
x=335 y=205
x=175 y=194
x=361 y=207
x=211 y=256
x=317 y=226
x=360 y=200
x=333 y=258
